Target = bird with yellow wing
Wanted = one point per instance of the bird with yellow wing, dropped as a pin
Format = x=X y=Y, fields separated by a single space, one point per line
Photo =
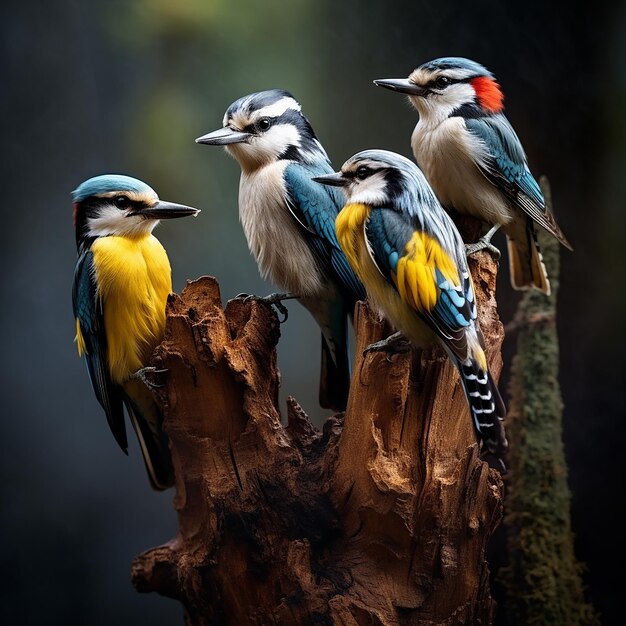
x=409 y=255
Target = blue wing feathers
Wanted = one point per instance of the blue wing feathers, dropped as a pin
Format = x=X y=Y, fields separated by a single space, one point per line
x=508 y=159
x=507 y=169
x=445 y=310
x=89 y=315
x=388 y=233
x=315 y=207
x=83 y=295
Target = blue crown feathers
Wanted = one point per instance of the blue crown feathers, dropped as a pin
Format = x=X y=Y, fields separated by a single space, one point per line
x=108 y=183
x=446 y=63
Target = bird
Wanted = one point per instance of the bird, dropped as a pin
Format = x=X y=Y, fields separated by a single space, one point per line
x=121 y=282
x=475 y=162
x=289 y=221
x=410 y=256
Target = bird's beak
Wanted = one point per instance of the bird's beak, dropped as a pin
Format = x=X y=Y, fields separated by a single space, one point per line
x=224 y=137
x=166 y=211
x=334 y=180
x=401 y=85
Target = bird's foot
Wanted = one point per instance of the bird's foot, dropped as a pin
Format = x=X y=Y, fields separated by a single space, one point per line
x=484 y=243
x=394 y=344
x=481 y=244
x=142 y=376
x=273 y=300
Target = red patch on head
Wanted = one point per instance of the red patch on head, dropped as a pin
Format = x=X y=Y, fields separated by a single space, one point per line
x=75 y=212
x=488 y=93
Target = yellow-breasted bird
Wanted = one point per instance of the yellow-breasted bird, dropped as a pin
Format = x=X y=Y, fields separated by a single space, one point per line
x=409 y=255
x=121 y=283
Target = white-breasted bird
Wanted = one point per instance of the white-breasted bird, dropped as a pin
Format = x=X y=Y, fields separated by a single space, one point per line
x=475 y=162
x=289 y=221
x=410 y=256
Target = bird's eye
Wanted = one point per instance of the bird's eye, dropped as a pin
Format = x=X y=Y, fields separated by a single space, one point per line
x=264 y=123
x=122 y=202
x=363 y=172
x=442 y=82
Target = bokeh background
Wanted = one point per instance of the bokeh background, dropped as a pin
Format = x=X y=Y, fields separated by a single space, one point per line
x=112 y=86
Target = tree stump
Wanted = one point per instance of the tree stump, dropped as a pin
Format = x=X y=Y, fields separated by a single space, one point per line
x=382 y=518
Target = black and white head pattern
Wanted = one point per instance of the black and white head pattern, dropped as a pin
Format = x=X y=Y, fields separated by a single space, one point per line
x=277 y=129
x=380 y=178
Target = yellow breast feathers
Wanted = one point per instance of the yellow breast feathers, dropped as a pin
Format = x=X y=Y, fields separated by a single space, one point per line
x=349 y=227
x=133 y=277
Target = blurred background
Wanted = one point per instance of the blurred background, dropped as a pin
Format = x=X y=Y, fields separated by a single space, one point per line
x=112 y=86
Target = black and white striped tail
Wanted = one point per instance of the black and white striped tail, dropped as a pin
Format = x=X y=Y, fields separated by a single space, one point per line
x=486 y=405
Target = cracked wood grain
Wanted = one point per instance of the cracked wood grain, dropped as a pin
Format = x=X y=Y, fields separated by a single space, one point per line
x=382 y=517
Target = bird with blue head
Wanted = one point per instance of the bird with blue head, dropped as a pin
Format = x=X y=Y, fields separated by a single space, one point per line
x=475 y=162
x=289 y=221
x=409 y=255
x=121 y=283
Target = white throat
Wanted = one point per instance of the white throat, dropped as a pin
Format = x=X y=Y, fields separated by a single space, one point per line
x=113 y=221
x=437 y=107
x=371 y=191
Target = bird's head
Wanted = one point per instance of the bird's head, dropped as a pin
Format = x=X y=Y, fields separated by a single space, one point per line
x=265 y=127
x=113 y=204
x=379 y=178
x=449 y=86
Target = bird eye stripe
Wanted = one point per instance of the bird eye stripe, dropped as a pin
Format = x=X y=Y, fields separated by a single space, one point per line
x=449 y=81
x=371 y=169
x=122 y=202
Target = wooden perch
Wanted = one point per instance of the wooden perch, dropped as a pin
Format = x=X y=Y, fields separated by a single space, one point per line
x=382 y=518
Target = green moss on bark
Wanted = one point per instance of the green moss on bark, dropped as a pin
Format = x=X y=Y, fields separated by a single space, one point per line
x=543 y=580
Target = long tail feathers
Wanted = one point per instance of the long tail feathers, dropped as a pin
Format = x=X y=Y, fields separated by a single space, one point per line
x=331 y=315
x=153 y=442
x=334 y=375
x=526 y=263
x=486 y=406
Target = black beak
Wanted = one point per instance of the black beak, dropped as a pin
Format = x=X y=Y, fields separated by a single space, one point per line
x=401 y=85
x=166 y=211
x=334 y=180
x=224 y=137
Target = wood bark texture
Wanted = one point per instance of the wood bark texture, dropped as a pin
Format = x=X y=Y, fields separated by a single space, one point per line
x=543 y=579
x=382 y=518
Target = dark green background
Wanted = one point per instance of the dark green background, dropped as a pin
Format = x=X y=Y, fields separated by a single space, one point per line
x=110 y=86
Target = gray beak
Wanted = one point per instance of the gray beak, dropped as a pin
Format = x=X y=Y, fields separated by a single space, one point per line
x=334 y=180
x=166 y=211
x=224 y=137
x=401 y=85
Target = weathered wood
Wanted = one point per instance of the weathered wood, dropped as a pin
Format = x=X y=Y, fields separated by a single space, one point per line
x=382 y=518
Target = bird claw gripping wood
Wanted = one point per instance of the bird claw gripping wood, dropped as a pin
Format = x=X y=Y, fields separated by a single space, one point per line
x=394 y=344
x=484 y=243
x=273 y=300
x=141 y=375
